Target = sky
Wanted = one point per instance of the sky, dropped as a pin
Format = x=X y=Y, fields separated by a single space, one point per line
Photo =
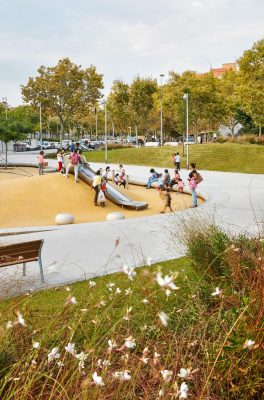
x=123 y=38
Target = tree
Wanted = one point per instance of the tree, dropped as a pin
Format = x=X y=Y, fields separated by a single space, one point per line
x=205 y=101
x=251 y=87
x=11 y=130
x=118 y=105
x=64 y=90
x=141 y=100
x=231 y=100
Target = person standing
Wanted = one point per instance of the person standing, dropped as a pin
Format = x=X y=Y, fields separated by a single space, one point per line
x=96 y=186
x=74 y=162
x=60 y=160
x=105 y=173
x=41 y=161
x=194 y=179
x=178 y=161
x=103 y=189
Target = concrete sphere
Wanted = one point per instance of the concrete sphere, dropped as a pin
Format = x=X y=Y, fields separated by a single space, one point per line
x=114 y=216
x=64 y=219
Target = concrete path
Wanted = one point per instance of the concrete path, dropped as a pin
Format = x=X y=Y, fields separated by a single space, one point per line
x=78 y=252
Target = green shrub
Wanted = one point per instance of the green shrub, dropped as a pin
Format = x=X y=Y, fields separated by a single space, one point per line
x=207 y=248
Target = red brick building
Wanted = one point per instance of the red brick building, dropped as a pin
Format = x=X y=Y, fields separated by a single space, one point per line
x=219 y=72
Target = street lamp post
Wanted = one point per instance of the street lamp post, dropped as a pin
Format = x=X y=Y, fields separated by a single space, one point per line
x=186 y=98
x=104 y=104
x=161 y=116
x=4 y=100
x=96 y=124
x=40 y=125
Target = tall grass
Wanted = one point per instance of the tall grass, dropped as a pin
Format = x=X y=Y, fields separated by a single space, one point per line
x=178 y=322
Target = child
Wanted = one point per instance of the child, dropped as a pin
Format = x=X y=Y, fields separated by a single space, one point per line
x=60 y=160
x=193 y=186
x=96 y=185
x=41 y=162
x=116 y=180
x=165 y=179
x=175 y=179
x=180 y=186
x=122 y=179
x=103 y=190
x=166 y=197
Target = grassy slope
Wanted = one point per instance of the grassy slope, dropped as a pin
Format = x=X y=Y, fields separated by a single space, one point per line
x=213 y=157
x=197 y=328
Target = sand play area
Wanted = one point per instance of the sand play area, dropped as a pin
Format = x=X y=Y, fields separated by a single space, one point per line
x=28 y=199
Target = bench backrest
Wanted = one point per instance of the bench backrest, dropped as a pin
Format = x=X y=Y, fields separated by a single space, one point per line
x=18 y=253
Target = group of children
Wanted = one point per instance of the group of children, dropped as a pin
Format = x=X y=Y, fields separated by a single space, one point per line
x=100 y=181
x=165 y=184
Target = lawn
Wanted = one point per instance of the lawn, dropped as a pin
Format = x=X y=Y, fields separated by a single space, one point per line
x=228 y=157
x=140 y=335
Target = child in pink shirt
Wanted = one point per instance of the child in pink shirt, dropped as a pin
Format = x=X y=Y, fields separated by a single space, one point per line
x=41 y=162
x=180 y=185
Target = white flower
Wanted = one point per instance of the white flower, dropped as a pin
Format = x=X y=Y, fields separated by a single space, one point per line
x=166 y=375
x=161 y=393
x=81 y=357
x=110 y=286
x=36 y=345
x=217 y=292
x=60 y=364
x=118 y=290
x=111 y=345
x=156 y=358
x=184 y=373
x=102 y=303
x=183 y=392
x=127 y=317
x=164 y=318
x=68 y=289
x=70 y=348
x=84 y=309
x=128 y=291
x=149 y=259
x=168 y=292
x=91 y=284
x=248 y=344
x=97 y=379
x=130 y=342
x=145 y=301
x=72 y=300
x=9 y=325
x=20 y=319
x=122 y=375
x=129 y=271
x=53 y=354
x=166 y=282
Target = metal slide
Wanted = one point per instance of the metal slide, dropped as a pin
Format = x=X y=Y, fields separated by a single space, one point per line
x=113 y=194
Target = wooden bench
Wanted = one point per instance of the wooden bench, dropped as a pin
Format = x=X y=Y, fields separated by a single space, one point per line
x=21 y=253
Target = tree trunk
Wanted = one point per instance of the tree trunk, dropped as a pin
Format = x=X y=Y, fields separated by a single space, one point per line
x=61 y=130
x=260 y=131
x=6 y=143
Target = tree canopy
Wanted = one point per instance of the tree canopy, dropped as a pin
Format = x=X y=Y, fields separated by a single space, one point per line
x=64 y=91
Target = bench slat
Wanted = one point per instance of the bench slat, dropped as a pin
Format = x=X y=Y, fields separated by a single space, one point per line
x=20 y=246
x=16 y=254
x=17 y=262
x=21 y=253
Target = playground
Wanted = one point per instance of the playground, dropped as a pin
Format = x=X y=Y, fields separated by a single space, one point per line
x=32 y=200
